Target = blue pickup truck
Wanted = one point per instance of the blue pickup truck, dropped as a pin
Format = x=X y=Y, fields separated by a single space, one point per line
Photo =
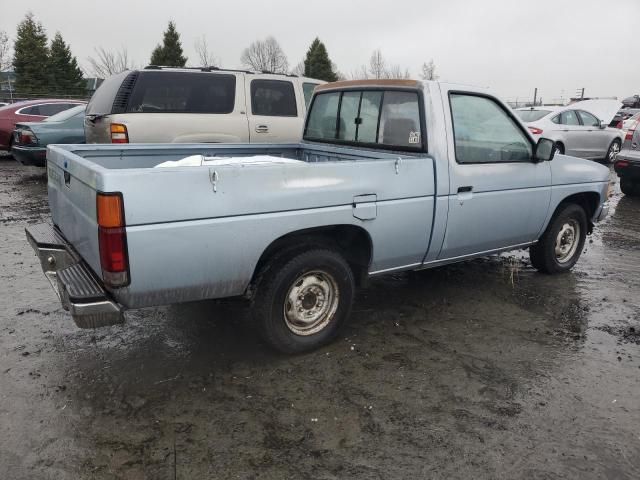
x=390 y=175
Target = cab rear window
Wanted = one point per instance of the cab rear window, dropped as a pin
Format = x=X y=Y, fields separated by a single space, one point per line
x=382 y=118
x=178 y=92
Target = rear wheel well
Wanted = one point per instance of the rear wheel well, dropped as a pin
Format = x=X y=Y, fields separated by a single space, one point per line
x=353 y=242
x=589 y=202
x=560 y=146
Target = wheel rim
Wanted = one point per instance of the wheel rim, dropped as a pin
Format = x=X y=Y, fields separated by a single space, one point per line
x=567 y=241
x=557 y=151
x=614 y=149
x=311 y=302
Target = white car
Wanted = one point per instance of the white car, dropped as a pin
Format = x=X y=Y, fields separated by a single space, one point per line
x=629 y=122
x=579 y=129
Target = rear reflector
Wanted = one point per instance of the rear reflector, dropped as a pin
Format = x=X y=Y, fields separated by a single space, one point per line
x=112 y=239
x=119 y=133
x=535 y=131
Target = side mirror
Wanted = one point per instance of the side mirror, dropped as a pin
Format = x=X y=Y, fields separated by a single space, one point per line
x=545 y=150
x=602 y=125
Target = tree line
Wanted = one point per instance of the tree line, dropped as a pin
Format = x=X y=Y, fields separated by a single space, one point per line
x=40 y=65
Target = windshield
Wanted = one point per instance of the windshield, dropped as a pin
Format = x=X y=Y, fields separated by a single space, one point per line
x=532 y=115
x=66 y=114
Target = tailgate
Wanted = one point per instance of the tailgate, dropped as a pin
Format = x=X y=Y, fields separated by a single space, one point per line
x=72 y=189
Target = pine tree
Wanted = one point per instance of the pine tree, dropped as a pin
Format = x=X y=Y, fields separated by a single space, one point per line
x=65 y=75
x=317 y=63
x=30 y=57
x=170 y=52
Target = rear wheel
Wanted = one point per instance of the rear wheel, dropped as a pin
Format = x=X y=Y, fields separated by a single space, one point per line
x=301 y=300
x=613 y=151
x=561 y=244
x=628 y=187
x=559 y=149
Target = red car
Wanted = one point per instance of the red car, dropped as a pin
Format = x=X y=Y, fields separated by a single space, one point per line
x=28 y=111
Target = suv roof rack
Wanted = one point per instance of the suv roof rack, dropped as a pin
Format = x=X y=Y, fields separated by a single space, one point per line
x=217 y=69
x=201 y=69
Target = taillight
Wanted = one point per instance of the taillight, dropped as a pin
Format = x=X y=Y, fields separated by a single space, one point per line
x=631 y=131
x=27 y=137
x=112 y=239
x=535 y=131
x=622 y=163
x=119 y=133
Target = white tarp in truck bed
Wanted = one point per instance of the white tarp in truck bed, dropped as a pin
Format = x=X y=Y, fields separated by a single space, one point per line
x=199 y=160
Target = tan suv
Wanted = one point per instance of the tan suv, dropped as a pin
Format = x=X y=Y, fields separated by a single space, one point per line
x=204 y=105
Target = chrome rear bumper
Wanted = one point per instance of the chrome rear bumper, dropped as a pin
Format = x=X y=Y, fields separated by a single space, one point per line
x=80 y=292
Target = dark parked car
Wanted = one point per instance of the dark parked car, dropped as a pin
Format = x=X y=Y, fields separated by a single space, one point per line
x=627 y=164
x=30 y=139
x=28 y=111
x=632 y=102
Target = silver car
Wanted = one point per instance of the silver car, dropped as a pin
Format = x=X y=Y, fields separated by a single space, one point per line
x=580 y=129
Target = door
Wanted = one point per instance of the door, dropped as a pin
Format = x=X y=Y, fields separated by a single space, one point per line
x=275 y=110
x=498 y=194
x=572 y=133
x=593 y=138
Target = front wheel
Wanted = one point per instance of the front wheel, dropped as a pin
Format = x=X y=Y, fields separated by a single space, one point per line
x=302 y=300
x=561 y=244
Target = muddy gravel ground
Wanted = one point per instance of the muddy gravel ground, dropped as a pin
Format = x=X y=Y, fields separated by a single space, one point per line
x=482 y=370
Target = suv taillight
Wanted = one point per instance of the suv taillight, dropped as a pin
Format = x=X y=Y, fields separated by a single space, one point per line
x=631 y=131
x=112 y=239
x=119 y=133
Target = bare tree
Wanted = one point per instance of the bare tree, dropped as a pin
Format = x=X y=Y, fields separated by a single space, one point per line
x=298 y=69
x=109 y=62
x=428 y=71
x=379 y=68
x=377 y=65
x=396 y=71
x=205 y=56
x=265 y=55
x=5 y=54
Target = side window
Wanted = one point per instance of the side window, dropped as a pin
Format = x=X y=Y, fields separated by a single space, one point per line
x=275 y=98
x=322 y=117
x=33 y=110
x=569 y=118
x=485 y=133
x=400 y=120
x=588 y=120
x=53 y=108
x=307 y=89
x=556 y=119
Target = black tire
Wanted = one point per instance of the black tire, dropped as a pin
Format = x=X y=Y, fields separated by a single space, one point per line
x=543 y=254
x=612 y=152
x=276 y=316
x=629 y=187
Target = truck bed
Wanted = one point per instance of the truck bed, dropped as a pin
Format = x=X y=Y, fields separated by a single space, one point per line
x=197 y=232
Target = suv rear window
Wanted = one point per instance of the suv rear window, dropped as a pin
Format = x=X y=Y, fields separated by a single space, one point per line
x=274 y=98
x=181 y=92
x=389 y=118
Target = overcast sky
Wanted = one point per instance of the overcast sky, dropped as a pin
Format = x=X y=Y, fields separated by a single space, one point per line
x=510 y=46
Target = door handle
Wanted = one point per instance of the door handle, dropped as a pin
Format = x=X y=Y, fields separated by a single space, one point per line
x=262 y=129
x=468 y=188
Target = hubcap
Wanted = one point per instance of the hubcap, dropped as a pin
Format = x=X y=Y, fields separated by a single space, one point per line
x=311 y=302
x=613 y=151
x=567 y=241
